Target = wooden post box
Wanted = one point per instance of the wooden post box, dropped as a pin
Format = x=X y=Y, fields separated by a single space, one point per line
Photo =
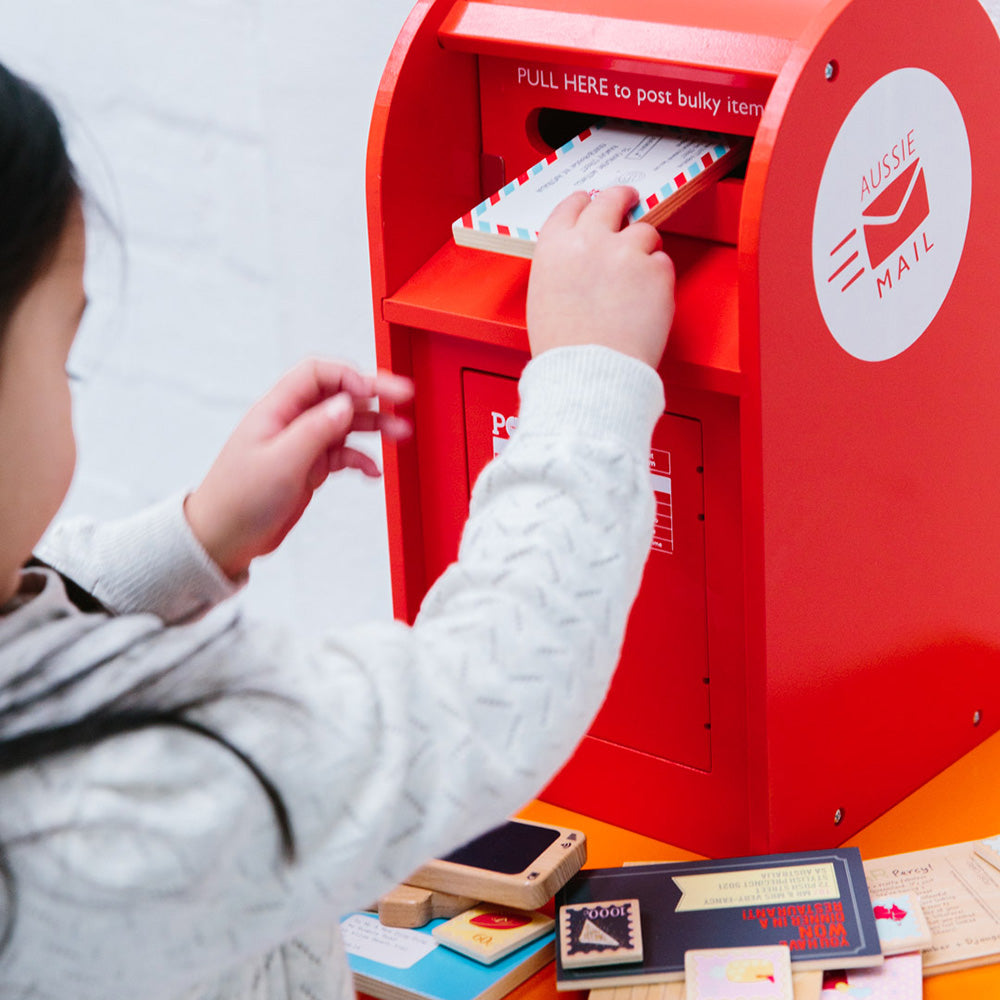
x=819 y=623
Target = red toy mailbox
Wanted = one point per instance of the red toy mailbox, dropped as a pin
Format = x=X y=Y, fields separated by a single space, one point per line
x=819 y=623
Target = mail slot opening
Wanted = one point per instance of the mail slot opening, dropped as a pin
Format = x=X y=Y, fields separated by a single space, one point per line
x=712 y=214
x=550 y=128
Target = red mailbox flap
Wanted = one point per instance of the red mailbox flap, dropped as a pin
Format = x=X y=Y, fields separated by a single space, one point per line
x=728 y=35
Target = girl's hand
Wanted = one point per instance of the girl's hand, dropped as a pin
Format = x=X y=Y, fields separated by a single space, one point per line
x=596 y=280
x=283 y=450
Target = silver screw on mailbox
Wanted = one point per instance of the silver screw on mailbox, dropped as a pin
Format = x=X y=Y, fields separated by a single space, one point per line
x=838 y=816
x=831 y=70
x=977 y=717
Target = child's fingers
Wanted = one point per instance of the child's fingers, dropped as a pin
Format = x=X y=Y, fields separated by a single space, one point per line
x=316 y=431
x=607 y=208
x=315 y=379
x=644 y=236
x=387 y=424
x=298 y=390
x=352 y=458
x=567 y=212
x=383 y=385
x=391 y=388
x=666 y=262
x=324 y=428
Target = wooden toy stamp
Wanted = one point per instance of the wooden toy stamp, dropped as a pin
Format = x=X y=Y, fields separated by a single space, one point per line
x=607 y=932
x=902 y=926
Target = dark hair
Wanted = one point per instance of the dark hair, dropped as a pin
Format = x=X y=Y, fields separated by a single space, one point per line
x=37 y=187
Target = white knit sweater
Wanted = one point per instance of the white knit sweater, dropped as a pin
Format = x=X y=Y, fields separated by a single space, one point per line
x=149 y=865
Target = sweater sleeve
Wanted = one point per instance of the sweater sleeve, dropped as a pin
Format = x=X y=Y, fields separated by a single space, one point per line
x=388 y=744
x=147 y=562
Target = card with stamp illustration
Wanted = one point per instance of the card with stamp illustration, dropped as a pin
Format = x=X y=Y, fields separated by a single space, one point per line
x=488 y=933
x=607 y=932
x=902 y=926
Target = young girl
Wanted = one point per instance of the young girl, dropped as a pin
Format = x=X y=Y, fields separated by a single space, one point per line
x=187 y=801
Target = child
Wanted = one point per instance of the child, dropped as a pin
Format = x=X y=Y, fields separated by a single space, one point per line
x=156 y=763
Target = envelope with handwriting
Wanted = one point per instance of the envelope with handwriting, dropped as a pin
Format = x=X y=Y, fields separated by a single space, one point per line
x=895 y=213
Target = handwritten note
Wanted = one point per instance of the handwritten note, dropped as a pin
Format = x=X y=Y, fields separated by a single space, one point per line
x=393 y=946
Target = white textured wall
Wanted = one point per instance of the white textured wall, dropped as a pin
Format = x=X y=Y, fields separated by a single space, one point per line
x=227 y=137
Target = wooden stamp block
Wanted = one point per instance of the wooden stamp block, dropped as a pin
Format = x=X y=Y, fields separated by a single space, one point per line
x=600 y=933
x=902 y=926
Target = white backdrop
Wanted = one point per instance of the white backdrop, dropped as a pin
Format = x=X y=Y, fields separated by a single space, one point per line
x=227 y=139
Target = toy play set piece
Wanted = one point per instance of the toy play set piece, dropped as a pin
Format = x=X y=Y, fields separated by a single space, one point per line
x=805 y=986
x=900 y=977
x=488 y=933
x=644 y=991
x=736 y=973
x=412 y=906
x=808 y=984
x=989 y=851
x=394 y=963
x=518 y=864
x=812 y=330
x=902 y=926
x=607 y=932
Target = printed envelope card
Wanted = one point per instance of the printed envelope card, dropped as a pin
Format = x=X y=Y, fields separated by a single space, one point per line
x=751 y=973
x=815 y=903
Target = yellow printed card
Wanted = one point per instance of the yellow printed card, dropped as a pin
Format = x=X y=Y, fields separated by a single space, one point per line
x=489 y=933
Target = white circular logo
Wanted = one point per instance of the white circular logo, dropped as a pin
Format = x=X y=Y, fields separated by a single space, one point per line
x=892 y=214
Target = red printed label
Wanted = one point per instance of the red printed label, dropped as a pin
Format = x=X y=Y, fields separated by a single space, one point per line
x=500 y=921
x=675 y=97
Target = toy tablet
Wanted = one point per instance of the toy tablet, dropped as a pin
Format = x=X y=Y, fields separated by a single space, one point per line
x=518 y=864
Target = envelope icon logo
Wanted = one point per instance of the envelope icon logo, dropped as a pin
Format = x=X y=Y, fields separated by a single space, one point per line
x=895 y=213
x=884 y=263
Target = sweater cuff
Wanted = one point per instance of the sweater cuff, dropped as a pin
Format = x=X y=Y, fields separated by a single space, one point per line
x=148 y=562
x=596 y=390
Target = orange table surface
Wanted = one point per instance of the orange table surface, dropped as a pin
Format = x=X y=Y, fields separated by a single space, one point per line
x=962 y=803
